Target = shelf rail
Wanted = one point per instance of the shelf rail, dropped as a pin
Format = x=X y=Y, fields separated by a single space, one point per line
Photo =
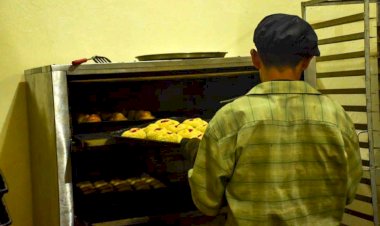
x=371 y=90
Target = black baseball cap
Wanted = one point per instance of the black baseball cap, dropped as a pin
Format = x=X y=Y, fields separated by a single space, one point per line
x=286 y=34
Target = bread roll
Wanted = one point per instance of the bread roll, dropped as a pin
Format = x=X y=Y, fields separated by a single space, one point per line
x=94 y=118
x=170 y=137
x=121 y=185
x=194 y=122
x=134 y=133
x=117 y=116
x=86 y=187
x=157 y=184
x=156 y=134
x=83 y=118
x=100 y=183
x=150 y=127
x=143 y=115
x=165 y=123
x=179 y=127
x=202 y=127
x=190 y=133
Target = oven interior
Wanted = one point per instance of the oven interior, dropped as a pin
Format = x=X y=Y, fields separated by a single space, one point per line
x=98 y=157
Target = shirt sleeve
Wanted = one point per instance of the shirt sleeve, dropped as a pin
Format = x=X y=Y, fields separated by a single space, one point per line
x=212 y=169
x=354 y=164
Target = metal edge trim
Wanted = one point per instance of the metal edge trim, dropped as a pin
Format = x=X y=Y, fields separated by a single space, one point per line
x=339 y=21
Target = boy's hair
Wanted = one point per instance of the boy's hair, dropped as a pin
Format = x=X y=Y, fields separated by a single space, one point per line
x=284 y=40
x=280 y=60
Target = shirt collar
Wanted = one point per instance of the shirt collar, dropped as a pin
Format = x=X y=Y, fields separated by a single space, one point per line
x=279 y=87
x=283 y=87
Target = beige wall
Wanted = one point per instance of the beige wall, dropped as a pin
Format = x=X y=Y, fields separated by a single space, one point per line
x=42 y=32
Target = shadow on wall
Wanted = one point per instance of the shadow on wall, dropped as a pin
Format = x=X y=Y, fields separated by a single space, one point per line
x=15 y=161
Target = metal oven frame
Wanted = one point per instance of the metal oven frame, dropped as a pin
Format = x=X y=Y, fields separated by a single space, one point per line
x=49 y=128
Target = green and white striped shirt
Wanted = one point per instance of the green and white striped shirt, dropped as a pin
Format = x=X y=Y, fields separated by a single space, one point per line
x=283 y=154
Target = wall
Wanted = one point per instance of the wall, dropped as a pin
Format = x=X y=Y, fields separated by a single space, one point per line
x=42 y=32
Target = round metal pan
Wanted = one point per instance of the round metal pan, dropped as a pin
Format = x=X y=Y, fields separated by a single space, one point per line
x=179 y=56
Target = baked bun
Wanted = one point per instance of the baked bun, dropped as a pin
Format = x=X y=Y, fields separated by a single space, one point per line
x=190 y=133
x=153 y=182
x=86 y=187
x=150 y=127
x=170 y=137
x=165 y=123
x=202 y=127
x=156 y=134
x=94 y=118
x=83 y=118
x=89 y=118
x=103 y=187
x=143 y=115
x=134 y=133
x=194 y=122
x=139 y=184
x=117 y=116
x=179 y=127
x=121 y=185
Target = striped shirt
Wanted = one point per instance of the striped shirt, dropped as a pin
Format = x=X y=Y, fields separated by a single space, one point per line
x=283 y=154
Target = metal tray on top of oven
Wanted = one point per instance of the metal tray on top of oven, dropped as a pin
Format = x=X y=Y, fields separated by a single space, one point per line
x=181 y=56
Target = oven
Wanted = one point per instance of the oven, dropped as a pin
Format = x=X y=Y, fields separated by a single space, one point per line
x=84 y=172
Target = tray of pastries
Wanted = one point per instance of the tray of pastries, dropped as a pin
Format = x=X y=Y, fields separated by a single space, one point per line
x=131 y=115
x=144 y=182
x=92 y=122
x=164 y=131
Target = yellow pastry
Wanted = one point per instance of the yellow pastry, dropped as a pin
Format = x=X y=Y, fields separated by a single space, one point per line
x=150 y=127
x=190 y=133
x=194 y=122
x=83 y=118
x=202 y=127
x=94 y=118
x=143 y=115
x=165 y=123
x=156 y=134
x=179 y=127
x=117 y=116
x=170 y=137
x=89 y=118
x=134 y=133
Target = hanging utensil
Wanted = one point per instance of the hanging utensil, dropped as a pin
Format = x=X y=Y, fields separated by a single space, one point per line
x=96 y=59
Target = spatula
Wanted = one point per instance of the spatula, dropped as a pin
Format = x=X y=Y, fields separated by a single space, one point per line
x=96 y=59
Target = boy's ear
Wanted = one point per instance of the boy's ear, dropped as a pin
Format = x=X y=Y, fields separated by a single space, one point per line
x=255 y=59
x=306 y=62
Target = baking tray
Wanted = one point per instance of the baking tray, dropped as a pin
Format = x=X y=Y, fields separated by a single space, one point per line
x=95 y=127
x=145 y=142
x=90 y=140
x=99 y=207
x=181 y=56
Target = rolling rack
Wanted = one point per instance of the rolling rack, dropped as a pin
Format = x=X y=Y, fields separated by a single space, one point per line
x=364 y=209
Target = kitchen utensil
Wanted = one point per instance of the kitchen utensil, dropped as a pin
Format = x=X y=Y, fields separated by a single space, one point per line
x=96 y=59
x=174 y=56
